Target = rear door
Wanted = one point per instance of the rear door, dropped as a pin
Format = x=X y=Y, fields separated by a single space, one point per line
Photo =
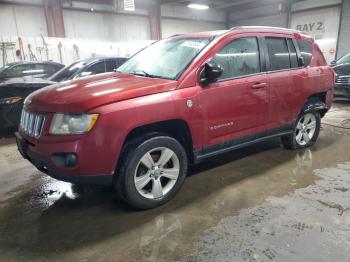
x=238 y=102
x=282 y=100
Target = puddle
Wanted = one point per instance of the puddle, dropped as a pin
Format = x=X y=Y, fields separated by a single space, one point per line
x=310 y=224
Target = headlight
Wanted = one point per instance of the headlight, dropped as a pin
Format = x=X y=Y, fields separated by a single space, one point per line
x=72 y=124
x=10 y=100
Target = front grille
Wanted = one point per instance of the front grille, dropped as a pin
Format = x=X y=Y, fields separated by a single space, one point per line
x=342 y=80
x=32 y=123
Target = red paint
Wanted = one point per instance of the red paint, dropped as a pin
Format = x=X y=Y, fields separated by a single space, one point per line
x=125 y=102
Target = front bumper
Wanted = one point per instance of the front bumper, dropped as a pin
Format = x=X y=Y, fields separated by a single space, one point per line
x=47 y=166
x=10 y=116
x=342 y=90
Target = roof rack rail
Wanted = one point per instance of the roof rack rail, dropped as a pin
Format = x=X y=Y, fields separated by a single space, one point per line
x=268 y=27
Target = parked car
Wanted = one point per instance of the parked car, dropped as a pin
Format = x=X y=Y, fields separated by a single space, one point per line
x=14 y=91
x=179 y=101
x=25 y=68
x=342 y=70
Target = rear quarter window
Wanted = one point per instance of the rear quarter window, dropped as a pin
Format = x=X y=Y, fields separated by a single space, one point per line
x=306 y=51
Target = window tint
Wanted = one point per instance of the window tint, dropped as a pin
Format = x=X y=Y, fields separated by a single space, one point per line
x=278 y=53
x=239 y=58
x=344 y=59
x=19 y=70
x=111 y=65
x=121 y=61
x=306 y=51
x=50 y=69
x=293 y=54
x=68 y=72
x=95 y=69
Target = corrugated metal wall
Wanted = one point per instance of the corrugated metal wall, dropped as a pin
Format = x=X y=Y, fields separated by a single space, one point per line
x=22 y=20
x=344 y=38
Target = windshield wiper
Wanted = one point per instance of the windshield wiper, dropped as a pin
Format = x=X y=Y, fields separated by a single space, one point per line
x=143 y=73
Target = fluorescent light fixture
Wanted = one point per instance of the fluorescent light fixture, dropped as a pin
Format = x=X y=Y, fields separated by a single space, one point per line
x=198 y=6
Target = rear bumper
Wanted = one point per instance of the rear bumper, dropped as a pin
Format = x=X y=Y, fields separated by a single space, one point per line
x=46 y=166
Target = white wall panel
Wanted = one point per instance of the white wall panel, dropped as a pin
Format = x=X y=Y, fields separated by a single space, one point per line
x=323 y=25
x=81 y=24
x=50 y=49
x=22 y=20
x=279 y=20
x=182 y=11
x=175 y=26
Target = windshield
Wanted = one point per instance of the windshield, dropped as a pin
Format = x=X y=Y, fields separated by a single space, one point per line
x=67 y=72
x=165 y=59
x=2 y=69
x=344 y=60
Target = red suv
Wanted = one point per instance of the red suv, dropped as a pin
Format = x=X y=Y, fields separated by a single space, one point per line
x=179 y=101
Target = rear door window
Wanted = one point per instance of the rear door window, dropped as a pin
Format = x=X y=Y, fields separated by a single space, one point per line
x=278 y=53
x=239 y=58
x=306 y=51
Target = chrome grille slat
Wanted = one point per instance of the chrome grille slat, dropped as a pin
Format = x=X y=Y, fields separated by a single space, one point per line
x=32 y=123
x=343 y=80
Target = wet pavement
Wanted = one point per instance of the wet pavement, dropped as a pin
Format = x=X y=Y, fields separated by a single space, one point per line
x=261 y=203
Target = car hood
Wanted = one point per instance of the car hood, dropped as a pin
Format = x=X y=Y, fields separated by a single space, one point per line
x=84 y=94
x=342 y=69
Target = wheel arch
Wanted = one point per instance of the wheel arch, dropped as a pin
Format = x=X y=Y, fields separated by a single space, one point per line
x=316 y=102
x=176 y=128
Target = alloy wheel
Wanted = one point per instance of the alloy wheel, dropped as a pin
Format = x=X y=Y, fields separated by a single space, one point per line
x=156 y=173
x=305 y=129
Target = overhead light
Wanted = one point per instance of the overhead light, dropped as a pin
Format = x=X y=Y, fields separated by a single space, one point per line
x=198 y=6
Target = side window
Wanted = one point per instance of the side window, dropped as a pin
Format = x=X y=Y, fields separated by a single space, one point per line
x=38 y=69
x=292 y=54
x=239 y=58
x=306 y=51
x=95 y=69
x=110 y=65
x=121 y=61
x=278 y=53
x=50 y=69
x=18 y=71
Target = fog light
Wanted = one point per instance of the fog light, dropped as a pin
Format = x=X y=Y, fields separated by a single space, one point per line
x=65 y=159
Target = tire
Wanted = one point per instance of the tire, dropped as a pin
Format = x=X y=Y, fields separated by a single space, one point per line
x=303 y=136
x=152 y=171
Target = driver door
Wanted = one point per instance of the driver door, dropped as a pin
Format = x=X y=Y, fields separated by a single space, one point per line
x=237 y=103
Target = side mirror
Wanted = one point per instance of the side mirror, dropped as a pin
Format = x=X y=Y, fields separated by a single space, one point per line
x=301 y=61
x=211 y=73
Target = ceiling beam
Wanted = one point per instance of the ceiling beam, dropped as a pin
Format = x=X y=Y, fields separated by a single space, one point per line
x=165 y=2
x=235 y=3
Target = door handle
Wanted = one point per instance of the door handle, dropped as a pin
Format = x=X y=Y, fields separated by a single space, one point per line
x=259 y=85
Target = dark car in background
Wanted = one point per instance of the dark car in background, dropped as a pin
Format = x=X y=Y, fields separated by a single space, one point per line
x=25 y=69
x=342 y=70
x=14 y=91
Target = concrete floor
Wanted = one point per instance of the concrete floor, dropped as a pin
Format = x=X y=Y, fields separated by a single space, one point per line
x=260 y=203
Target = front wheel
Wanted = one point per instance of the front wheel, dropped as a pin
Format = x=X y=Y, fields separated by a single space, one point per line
x=305 y=133
x=152 y=172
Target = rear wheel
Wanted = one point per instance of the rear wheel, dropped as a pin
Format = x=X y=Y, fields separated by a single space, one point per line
x=305 y=133
x=152 y=172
